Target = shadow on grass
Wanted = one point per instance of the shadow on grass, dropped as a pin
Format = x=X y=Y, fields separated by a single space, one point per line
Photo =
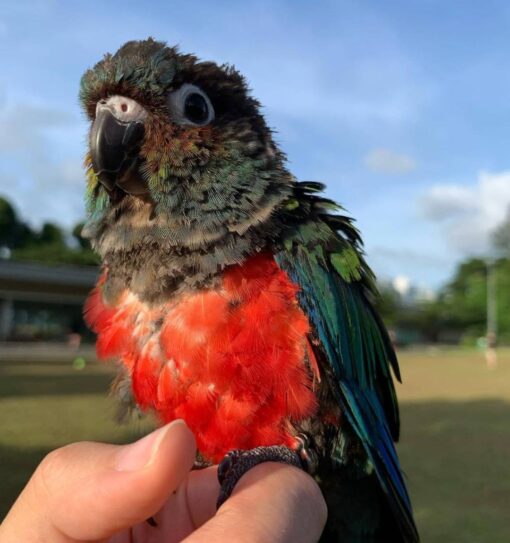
x=48 y=384
x=456 y=458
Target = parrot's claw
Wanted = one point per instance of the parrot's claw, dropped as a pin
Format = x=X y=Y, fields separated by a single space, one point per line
x=200 y=464
x=237 y=462
x=307 y=454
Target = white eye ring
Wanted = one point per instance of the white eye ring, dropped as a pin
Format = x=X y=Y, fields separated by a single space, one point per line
x=190 y=105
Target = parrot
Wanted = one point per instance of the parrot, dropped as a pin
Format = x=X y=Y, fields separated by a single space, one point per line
x=233 y=296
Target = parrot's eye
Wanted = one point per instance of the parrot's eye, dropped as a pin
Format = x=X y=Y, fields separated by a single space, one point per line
x=190 y=105
x=196 y=108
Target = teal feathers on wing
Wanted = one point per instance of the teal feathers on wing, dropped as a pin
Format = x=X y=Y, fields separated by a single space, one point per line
x=322 y=253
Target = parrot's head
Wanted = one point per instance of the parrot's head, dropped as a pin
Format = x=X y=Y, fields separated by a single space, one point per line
x=179 y=153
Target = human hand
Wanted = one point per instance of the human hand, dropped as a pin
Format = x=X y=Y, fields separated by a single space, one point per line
x=97 y=492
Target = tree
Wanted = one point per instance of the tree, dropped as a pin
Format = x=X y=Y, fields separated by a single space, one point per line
x=464 y=299
x=13 y=232
x=8 y=223
x=388 y=304
x=501 y=236
x=49 y=245
x=460 y=310
x=52 y=234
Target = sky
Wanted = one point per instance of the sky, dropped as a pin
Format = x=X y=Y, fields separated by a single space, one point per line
x=401 y=107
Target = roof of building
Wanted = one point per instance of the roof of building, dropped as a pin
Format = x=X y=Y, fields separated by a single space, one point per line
x=40 y=282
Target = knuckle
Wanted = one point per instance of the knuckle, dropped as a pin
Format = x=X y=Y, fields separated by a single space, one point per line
x=51 y=470
x=52 y=462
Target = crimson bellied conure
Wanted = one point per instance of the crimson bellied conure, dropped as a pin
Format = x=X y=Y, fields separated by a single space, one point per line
x=234 y=296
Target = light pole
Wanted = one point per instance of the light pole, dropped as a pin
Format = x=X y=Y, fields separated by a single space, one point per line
x=492 y=315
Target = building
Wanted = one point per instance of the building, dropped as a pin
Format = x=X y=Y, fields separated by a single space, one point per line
x=43 y=302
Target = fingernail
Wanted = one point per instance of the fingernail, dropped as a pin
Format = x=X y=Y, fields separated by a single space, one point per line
x=141 y=453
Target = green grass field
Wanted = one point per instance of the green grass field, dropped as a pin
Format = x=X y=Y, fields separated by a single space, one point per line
x=455 y=446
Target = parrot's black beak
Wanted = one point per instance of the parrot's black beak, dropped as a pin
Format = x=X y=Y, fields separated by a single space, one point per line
x=114 y=148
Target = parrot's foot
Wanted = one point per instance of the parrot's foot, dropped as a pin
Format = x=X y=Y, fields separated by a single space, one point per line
x=237 y=462
x=201 y=464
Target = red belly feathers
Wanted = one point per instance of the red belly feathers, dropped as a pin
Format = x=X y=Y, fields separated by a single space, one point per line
x=230 y=361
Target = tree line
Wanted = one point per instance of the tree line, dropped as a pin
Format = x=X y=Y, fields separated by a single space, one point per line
x=459 y=311
x=49 y=244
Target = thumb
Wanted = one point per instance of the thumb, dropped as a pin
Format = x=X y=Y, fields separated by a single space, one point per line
x=89 y=491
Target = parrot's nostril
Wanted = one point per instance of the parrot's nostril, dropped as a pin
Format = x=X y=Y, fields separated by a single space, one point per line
x=123 y=108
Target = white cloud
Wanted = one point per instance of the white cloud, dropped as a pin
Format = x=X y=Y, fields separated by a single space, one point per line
x=38 y=171
x=469 y=214
x=447 y=201
x=387 y=161
x=24 y=126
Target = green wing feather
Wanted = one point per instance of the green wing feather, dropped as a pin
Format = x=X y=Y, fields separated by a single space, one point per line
x=322 y=253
